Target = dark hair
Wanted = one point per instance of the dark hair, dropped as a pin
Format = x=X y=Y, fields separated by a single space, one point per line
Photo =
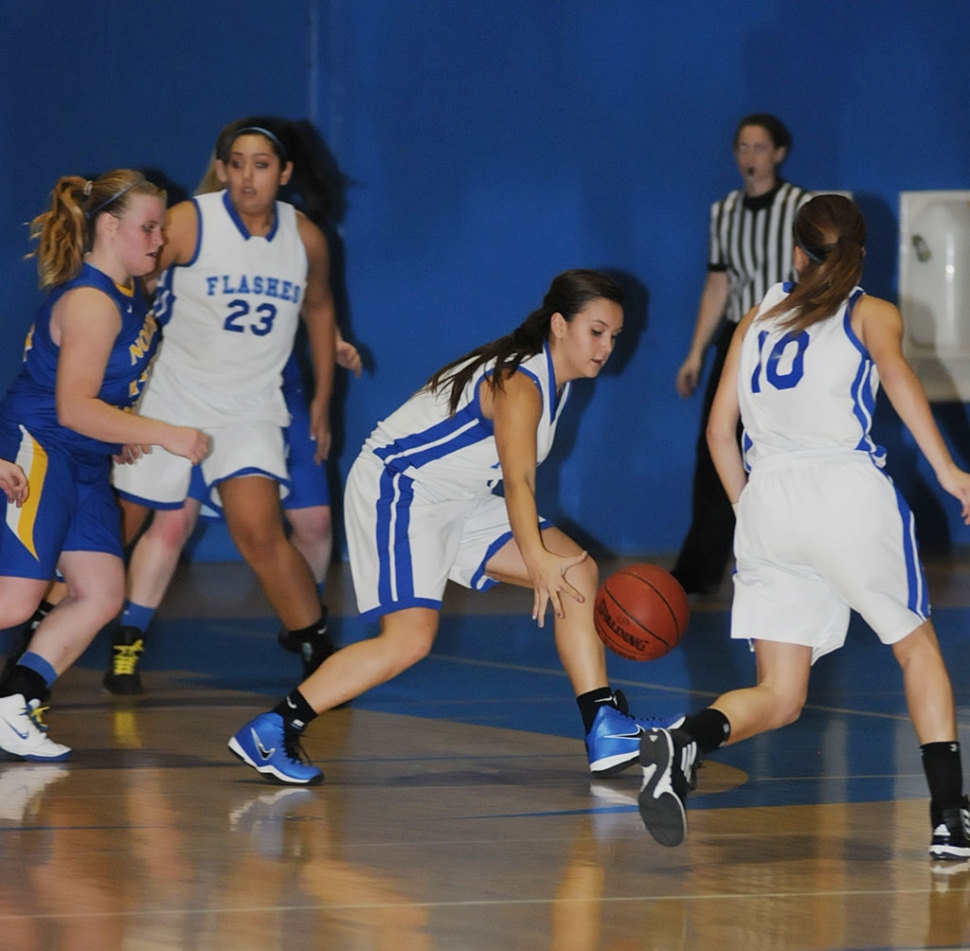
x=771 y=124
x=568 y=295
x=317 y=186
x=831 y=232
x=66 y=231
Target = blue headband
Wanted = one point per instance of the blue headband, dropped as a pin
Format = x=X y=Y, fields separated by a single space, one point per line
x=269 y=135
x=811 y=255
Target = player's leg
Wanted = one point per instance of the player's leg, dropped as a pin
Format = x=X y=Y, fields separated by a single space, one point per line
x=95 y=585
x=133 y=518
x=882 y=578
x=670 y=757
x=929 y=698
x=580 y=650
x=307 y=509
x=612 y=735
x=169 y=486
x=252 y=512
x=270 y=743
x=19 y=598
x=312 y=536
x=13 y=603
x=151 y=567
x=405 y=594
x=244 y=472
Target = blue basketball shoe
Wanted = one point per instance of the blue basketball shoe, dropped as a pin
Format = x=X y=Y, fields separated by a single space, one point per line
x=274 y=751
x=613 y=742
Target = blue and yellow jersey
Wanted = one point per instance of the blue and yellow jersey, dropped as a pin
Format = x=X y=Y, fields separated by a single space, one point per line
x=30 y=400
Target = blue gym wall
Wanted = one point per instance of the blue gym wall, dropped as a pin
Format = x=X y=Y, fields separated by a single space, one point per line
x=495 y=144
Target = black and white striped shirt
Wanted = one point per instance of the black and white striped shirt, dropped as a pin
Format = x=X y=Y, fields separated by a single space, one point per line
x=751 y=239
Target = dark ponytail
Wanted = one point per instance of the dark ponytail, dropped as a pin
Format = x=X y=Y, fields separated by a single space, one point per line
x=568 y=295
x=831 y=232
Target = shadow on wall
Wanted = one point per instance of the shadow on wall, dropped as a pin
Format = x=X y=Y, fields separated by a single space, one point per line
x=882 y=244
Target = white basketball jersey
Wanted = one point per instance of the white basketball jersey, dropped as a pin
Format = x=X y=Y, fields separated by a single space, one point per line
x=812 y=390
x=230 y=314
x=457 y=453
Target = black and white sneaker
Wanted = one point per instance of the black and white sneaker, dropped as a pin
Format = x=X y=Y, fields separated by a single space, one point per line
x=951 y=832
x=669 y=762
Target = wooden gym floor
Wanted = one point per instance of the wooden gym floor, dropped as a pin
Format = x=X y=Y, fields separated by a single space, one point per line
x=457 y=812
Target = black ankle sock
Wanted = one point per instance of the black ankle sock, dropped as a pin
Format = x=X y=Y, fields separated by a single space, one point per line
x=589 y=704
x=43 y=609
x=27 y=682
x=295 y=711
x=944 y=774
x=710 y=729
x=316 y=629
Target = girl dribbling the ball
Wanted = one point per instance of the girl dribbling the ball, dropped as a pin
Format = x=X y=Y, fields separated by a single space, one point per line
x=421 y=508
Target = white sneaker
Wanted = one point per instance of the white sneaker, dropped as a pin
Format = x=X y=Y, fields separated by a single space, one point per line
x=23 y=734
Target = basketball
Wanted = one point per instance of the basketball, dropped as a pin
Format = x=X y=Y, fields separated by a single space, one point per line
x=641 y=612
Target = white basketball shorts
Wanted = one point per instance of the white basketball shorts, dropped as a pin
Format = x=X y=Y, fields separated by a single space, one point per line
x=406 y=539
x=240 y=447
x=819 y=534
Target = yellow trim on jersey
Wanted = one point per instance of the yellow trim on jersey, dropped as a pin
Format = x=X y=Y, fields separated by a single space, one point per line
x=32 y=458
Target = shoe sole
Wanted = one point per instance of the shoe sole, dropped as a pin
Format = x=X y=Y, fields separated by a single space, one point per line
x=949 y=853
x=272 y=774
x=661 y=809
x=7 y=757
x=613 y=765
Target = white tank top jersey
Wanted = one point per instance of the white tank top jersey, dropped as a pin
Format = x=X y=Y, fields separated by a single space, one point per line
x=814 y=390
x=231 y=313
x=456 y=454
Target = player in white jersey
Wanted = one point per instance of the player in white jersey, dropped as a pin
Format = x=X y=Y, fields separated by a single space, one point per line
x=243 y=268
x=821 y=529
x=421 y=508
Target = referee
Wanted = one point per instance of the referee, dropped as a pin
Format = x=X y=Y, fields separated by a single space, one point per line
x=750 y=250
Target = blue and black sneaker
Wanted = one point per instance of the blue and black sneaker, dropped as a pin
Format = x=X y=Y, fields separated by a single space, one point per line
x=613 y=742
x=271 y=749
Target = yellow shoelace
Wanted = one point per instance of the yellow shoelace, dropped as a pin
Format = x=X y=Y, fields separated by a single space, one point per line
x=126 y=657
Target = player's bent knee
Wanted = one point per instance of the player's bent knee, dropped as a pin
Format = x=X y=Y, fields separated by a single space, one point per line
x=407 y=639
x=171 y=528
x=311 y=523
x=789 y=710
x=112 y=607
x=585 y=576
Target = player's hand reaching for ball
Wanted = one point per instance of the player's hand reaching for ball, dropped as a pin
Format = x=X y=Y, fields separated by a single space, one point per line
x=548 y=575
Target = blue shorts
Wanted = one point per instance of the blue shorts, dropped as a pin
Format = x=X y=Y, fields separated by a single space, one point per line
x=308 y=479
x=71 y=507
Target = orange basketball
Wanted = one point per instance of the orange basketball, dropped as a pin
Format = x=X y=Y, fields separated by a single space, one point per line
x=641 y=612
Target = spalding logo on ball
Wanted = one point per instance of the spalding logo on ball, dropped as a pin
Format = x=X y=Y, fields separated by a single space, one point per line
x=641 y=612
